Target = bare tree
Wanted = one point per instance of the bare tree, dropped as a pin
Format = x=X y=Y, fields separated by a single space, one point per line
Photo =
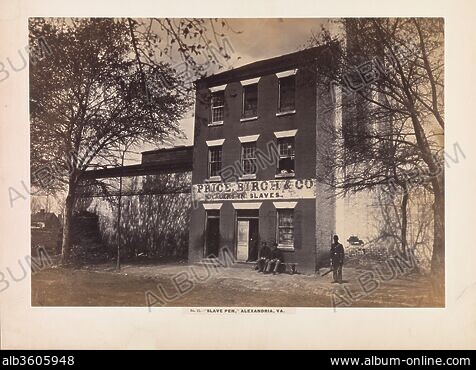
x=391 y=75
x=104 y=85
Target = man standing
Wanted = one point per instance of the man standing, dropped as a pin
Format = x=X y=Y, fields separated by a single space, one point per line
x=264 y=255
x=275 y=261
x=337 y=259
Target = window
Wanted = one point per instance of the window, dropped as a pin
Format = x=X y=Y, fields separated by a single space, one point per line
x=248 y=158
x=214 y=161
x=218 y=106
x=286 y=228
x=286 y=156
x=287 y=89
x=250 y=101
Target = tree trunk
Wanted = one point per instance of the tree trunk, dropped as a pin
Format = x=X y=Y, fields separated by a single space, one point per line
x=67 y=223
x=438 y=256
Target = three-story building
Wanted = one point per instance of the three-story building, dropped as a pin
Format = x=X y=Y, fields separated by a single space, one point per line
x=257 y=163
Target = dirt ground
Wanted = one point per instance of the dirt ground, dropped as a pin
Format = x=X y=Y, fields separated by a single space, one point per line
x=237 y=286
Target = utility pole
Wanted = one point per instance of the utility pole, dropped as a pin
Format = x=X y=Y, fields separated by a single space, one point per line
x=119 y=211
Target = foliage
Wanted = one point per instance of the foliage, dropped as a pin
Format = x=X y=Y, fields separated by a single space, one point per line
x=391 y=75
x=104 y=86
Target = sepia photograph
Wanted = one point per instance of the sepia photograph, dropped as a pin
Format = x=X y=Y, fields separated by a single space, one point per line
x=247 y=175
x=188 y=162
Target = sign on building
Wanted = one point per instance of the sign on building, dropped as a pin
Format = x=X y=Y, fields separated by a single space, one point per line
x=255 y=190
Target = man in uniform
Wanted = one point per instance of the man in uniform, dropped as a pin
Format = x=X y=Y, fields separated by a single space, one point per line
x=337 y=260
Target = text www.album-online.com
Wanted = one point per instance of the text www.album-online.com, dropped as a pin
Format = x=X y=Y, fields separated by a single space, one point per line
x=396 y=361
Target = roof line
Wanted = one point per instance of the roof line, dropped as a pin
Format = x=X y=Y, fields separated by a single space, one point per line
x=270 y=65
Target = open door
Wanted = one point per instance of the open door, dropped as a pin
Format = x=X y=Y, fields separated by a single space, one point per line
x=242 y=246
x=247 y=236
x=212 y=241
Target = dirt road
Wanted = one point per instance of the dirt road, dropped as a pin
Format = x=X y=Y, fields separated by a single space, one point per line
x=180 y=285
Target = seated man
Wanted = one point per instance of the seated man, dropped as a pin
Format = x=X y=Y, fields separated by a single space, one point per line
x=275 y=261
x=264 y=255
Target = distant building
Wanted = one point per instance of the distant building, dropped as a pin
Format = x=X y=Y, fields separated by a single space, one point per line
x=255 y=163
x=45 y=220
x=46 y=231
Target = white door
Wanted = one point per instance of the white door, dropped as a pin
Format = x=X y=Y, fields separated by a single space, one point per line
x=243 y=240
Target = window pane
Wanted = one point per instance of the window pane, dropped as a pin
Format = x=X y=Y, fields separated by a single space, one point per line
x=218 y=106
x=248 y=158
x=286 y=218
x=215 y=154
x=249 y=150
x=214 y=161
x=286 y=236
x=286 y=165
x=287 y=87
x=286 y=156
x=286 y=147
x=286 y=227
x=215 y=169
x=249 y=167
x=217 y=114
x=250 y=101
x=218 y=99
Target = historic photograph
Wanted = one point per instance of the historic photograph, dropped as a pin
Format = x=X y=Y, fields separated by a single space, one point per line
x=238 y=162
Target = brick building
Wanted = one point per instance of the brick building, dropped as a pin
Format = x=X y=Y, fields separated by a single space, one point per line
x=256 y=165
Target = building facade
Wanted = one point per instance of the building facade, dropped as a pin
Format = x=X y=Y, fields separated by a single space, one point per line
x=256 y=163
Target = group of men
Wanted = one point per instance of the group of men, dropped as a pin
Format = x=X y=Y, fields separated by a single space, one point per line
x=270 y=259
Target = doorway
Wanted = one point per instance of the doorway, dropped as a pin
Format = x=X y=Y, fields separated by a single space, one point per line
x=212 y=234
x=247 y=237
